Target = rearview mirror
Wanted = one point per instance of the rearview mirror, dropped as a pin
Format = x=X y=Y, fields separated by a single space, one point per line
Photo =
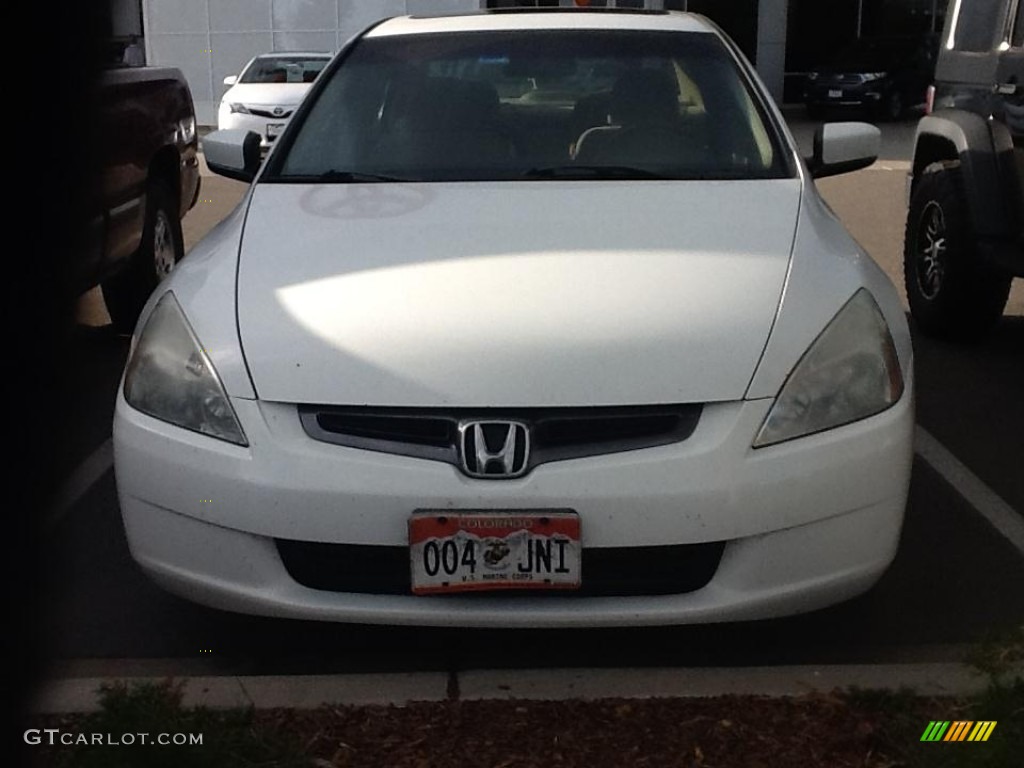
x=234 y=153
x=230 y=80
x=843 y=147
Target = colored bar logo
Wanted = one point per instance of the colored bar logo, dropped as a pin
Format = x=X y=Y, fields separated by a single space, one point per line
x=958 y=730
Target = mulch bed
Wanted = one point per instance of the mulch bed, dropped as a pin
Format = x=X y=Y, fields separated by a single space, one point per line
x=740 y=732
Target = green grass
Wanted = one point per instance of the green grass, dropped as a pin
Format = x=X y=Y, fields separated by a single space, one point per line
x=902 y=716
x=997 y=654
x=231 y=739
x=1001 y=702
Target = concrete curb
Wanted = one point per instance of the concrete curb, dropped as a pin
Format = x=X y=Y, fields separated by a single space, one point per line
x=66 y=695
x=940 y=679
x=263 y=692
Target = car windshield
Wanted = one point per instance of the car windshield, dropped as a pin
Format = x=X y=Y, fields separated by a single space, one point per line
x=866 y=55
x=533 y=105
x=283 y=69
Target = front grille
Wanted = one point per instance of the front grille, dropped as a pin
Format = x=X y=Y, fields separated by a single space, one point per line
x=556 y=434
x=270 y=114
x=844 y=79
x=606 y=572
x=411 y=430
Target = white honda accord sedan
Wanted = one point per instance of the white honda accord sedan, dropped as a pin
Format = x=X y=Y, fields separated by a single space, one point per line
x=529 y=319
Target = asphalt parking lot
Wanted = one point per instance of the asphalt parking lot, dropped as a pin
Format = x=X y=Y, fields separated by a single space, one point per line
x=957 y=578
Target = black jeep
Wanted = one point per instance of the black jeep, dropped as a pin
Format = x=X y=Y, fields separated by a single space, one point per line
x=965 y=226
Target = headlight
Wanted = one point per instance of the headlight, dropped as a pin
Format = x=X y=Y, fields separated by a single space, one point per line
x=186 y=130
x=235 y=107
x=812 y=76
x=850 y=372
x=170 y=377
x=868 y=77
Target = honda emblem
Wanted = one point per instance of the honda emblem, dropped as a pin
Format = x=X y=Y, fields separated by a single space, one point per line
x=494 y=449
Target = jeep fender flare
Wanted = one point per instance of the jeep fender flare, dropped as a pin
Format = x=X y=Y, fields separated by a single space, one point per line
x=981 y=148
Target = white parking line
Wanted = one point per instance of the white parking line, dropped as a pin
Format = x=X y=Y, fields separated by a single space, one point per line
x=979 y=496
x=983 y=499
x=85 y=476
x=890 y=165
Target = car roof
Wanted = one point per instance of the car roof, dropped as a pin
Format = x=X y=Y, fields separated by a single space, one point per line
x=541 y=20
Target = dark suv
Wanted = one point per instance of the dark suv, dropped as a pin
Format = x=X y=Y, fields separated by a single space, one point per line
x=965 y=227
x=885 y=76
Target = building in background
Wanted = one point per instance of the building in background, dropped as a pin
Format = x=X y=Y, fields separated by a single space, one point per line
x=211 y=39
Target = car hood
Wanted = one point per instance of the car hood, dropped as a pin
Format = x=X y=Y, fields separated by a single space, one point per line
x=268 y=94
x=512 y=294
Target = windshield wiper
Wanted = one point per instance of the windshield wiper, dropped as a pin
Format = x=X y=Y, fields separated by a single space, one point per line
x=591 y=172
x=356 y=177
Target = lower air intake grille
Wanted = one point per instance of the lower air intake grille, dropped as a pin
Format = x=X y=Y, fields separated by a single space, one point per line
x=606 y=572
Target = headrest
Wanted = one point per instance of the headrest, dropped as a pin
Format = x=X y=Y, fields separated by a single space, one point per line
x=642 y=95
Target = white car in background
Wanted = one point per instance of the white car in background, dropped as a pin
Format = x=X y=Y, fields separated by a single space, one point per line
x=265 y=95
x=464 y=359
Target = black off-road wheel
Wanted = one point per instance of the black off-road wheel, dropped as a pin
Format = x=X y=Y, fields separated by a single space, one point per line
x=952 y=293
x=161 y=249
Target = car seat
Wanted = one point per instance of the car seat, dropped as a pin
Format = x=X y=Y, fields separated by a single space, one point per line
x=432 y=121
x=644 y=127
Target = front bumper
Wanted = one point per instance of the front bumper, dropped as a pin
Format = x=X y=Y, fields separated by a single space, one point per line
x=262 y=125
x=826 y=94
x=806 y=523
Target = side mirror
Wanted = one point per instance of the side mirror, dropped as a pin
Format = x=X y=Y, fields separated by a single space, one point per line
x=843 y=147
x=234 y=153
x=230 y=80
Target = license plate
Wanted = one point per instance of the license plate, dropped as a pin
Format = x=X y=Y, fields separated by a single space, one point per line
x=835 y=93
x=274 y=129
x=474 y=551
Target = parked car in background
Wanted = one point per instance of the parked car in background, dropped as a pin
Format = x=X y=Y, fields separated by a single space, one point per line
x=144 y=149
x=886 y=78
x=616 y=364
x=965 y=224
x=265 y=95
